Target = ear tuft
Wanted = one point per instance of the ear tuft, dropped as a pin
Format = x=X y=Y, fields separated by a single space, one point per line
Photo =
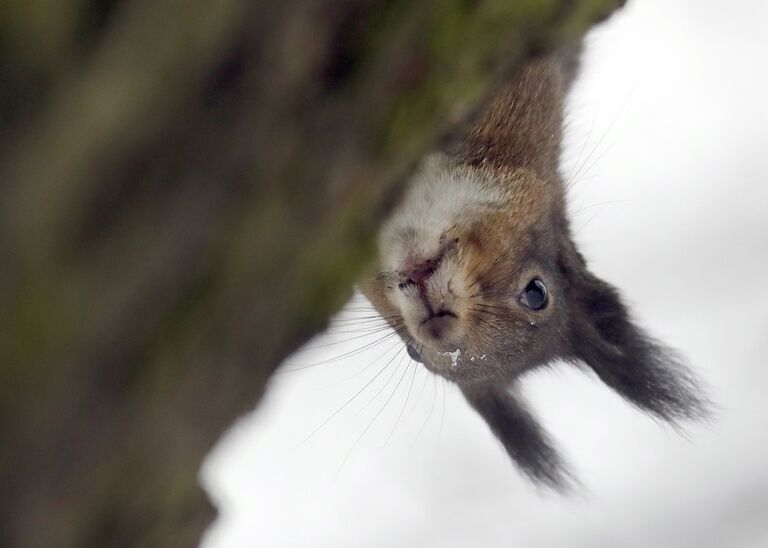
x=642 y=370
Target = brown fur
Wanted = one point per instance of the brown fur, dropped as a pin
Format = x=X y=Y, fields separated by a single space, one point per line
x=523 y=127
x=458 y=307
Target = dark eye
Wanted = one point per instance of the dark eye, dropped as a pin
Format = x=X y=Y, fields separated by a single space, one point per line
x=534 y=296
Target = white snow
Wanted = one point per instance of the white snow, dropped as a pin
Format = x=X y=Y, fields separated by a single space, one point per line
x=455 y=355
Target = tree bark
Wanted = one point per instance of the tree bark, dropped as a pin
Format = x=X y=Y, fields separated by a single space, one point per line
x=188 y=190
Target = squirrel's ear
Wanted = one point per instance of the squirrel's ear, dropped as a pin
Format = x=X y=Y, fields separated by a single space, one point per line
x=520 y=434
x=645 y=372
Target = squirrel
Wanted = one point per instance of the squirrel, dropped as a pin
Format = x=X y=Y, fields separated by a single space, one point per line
x=479 y=274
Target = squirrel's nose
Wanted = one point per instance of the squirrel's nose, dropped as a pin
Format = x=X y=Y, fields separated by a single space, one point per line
x=417 y=272
x=420 y=272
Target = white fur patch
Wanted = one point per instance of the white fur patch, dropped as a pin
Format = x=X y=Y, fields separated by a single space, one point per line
x=442 y=195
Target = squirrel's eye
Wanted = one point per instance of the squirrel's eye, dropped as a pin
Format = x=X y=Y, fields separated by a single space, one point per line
x=534 y=296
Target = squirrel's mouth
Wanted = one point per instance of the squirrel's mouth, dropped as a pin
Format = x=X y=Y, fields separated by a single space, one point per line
x=415 y=284
x=437 y=323
x=427 y=300
x=437 y=327
x=439 y=314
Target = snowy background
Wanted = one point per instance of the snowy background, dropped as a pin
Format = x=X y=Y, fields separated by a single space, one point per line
x=668 y=143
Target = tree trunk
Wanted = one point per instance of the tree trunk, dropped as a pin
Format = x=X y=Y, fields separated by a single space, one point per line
x=188 y=189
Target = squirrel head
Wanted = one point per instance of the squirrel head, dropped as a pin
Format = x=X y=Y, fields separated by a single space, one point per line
x=468 y=271
x=479 y=275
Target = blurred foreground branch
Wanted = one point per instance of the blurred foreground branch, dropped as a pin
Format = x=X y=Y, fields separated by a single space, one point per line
x=188 y=190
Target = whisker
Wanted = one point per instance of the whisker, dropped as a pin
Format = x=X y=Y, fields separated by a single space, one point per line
x=397 y=343
x=492 y=306
x=421 y=393
x=495 y=262
x=368 y=346
x=373 y=420
x=474 y=269
x=599 y=204
x=350 y=400
x=376 y=395
x=583 y=145
x=492 y=313
x=490 y=288
x=332 y=343
x=576 y=175
x=442 y=414
x=405 y=404
x=361 y=331
x=491 y=325
x=376 y=315
x=431 y=409
x=346 y=322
